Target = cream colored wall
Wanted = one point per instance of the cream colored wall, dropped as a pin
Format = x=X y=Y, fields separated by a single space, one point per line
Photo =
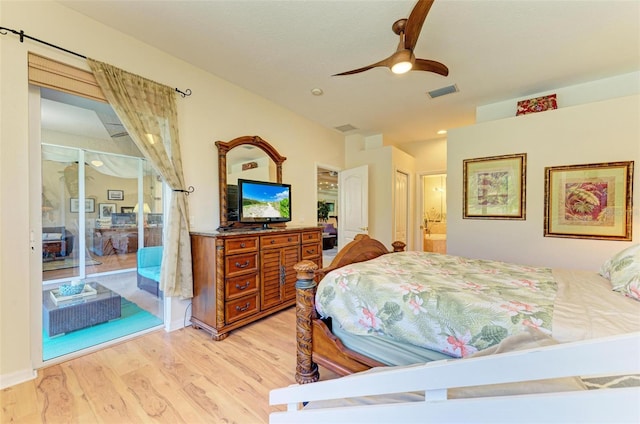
x=604 y=131
x=217 y=110
x=382 y=162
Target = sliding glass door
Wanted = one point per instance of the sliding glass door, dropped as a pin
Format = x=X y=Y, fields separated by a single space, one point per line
x=102 y=203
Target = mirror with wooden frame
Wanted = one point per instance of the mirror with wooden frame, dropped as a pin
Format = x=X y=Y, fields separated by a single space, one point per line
x=225 y=170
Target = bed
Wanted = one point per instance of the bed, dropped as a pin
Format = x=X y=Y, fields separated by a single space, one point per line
x=568 y=305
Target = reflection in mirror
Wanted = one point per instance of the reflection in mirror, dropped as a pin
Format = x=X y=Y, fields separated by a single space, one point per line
x=249 y=163
x=247 y=157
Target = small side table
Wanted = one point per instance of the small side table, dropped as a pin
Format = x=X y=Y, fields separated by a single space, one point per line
x=328 y=241
x=80 y=313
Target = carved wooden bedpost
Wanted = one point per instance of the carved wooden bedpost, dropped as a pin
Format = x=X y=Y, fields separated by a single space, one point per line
x=398 y=246
x=306 y=369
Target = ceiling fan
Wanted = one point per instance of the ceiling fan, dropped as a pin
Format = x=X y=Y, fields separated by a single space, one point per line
x=403 y=60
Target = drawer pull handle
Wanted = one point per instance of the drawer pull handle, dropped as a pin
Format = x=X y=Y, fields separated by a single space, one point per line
x=244 y=286
x=244 y=265
x=310 y=250
x=273 y=241
x=289 y=239
x=243 y=308
x=243 y=244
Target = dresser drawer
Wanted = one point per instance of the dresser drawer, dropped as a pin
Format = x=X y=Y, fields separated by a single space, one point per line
x=240 y=308
x=240 y=286
x=279 y=240
x=310 y=250
x=311 y=236
x=241 y=264
x=241 y=245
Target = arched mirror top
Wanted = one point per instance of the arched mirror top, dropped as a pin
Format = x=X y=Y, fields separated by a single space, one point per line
x=224 y=147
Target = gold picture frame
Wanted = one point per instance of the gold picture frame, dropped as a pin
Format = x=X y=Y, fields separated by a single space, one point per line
x=494 y=187
x=592 y=201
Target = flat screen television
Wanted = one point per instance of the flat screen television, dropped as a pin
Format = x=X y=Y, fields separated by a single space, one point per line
x=264 y=202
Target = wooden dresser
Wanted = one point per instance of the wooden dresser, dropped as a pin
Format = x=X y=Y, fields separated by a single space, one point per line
x=240 y=277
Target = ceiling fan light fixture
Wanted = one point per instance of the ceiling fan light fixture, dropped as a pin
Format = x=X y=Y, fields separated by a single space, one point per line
x=403 y=61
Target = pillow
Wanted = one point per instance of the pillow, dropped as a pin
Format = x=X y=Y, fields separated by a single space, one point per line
x=623 y=270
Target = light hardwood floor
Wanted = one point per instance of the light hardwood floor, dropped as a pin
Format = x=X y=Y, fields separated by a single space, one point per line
x=177 y=377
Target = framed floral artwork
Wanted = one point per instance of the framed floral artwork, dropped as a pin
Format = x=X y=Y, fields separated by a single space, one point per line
x=494 y=187
x=589 y=201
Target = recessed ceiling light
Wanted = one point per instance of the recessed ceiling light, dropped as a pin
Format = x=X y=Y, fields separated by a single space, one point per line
x=317 y=91
x=442 y=132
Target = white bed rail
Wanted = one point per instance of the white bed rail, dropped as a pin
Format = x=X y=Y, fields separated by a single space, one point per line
x=616 y=355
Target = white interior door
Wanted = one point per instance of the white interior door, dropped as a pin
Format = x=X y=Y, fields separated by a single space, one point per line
x=401 y=215
x=353 y=218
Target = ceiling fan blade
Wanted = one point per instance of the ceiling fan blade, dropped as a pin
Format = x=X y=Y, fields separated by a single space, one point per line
x=415 y=22
x=385 y=62
x=430 y=66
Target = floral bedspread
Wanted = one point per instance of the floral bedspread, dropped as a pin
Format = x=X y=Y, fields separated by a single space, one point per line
x=444 y=303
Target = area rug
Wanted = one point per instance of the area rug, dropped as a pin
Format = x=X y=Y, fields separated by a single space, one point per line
x=132 y=319
x=66 y=263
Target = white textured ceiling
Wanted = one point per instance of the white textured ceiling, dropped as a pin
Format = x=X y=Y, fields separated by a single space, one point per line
x=495 y=50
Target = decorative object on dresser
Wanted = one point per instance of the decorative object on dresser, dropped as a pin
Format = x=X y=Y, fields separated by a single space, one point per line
x=240 y=277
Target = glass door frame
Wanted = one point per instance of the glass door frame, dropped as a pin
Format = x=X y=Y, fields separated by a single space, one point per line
x=82 y=227
x=35 y=241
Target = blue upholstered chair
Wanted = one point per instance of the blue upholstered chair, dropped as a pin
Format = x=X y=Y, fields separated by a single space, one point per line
x=149 y=260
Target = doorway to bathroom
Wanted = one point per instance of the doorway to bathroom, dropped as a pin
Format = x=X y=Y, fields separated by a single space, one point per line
x=434 y=213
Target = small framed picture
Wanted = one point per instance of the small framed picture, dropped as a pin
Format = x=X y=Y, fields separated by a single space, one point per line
x=106 y=209
x=494 y=187
x=115 y=194
x=89 y=205
x=127 y=209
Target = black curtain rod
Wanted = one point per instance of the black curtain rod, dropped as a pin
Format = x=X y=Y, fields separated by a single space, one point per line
x=22 y=36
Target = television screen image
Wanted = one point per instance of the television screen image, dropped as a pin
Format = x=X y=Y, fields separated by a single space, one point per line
x=264 y=202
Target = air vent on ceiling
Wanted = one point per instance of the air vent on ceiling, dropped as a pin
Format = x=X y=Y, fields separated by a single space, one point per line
x=346 y=128
x=443 y=91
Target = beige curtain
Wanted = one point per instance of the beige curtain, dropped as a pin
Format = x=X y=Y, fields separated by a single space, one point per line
x=148 y=111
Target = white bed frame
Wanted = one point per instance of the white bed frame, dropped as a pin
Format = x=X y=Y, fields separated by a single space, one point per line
x=616 y=355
